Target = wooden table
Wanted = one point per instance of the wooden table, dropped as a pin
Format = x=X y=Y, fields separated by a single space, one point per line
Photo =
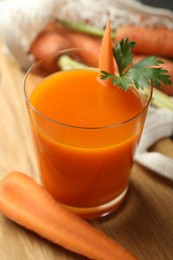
x=143 y=224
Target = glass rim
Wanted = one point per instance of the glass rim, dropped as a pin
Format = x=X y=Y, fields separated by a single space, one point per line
x=70 y=125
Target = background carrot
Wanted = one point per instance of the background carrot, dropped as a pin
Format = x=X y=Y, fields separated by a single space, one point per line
x=153 y=41
x=85 y=41
x=47 y=43
x=43 y=215
x=55 y=38
x=80 y=40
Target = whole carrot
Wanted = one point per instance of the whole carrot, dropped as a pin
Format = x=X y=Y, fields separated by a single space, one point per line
x=153 y=41
x=28 y=204
x=82 y=40
x=47 y=43
x=55 y=38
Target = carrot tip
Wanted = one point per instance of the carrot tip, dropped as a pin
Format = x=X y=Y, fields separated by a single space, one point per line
x=106 y=56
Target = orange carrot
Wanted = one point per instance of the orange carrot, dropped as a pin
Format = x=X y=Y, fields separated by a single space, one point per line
x=85 y=41
x=28 y=204
x=167 y=65
x=153 y=41
x=106 y=56
x=55 y=38
x=49 y=42
x=80 y=40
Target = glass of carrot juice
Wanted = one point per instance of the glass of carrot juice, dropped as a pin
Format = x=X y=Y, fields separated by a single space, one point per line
x=85 y=131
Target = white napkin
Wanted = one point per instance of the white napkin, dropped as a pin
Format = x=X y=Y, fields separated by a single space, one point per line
x=21 y=20
x=158 y=125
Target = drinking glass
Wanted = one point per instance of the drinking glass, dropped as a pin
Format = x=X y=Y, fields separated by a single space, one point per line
x=85 y=168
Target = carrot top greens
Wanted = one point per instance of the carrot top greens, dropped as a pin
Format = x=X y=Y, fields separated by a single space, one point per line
x=141 y=75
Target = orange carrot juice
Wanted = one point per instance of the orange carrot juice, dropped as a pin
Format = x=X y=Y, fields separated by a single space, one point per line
x=86 y=134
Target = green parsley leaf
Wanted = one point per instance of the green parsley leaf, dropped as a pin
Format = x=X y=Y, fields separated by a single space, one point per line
x=123 y=54
x=143 y=74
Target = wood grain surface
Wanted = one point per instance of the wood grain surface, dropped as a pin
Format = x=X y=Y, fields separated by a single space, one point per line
x=143 y=224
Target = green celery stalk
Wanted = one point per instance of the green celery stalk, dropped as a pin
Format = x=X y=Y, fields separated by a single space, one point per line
x=161 y=100
x=84 y=28
x=65 y=63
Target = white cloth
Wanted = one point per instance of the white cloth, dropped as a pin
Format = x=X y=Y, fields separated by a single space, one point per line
x=158 y=125
x=21 y=20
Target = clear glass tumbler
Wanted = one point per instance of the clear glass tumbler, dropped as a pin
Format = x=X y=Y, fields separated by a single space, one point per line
x=85 y=167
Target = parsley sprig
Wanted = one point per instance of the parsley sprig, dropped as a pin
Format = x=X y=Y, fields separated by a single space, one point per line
x=141 y=75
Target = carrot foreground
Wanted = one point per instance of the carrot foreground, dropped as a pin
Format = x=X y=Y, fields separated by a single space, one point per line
x=28 y=204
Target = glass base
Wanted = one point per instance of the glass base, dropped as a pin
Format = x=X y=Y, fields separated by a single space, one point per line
x=99 y=211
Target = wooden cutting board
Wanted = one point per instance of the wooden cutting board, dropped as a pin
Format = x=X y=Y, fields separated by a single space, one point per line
x=143 y=224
